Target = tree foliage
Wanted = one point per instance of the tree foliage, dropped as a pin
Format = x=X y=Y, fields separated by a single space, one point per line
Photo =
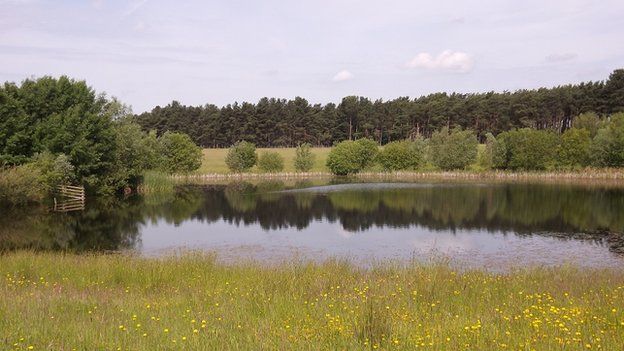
x=241 y=157
x=73 y=134
x=368 y=151
x=402 y=155
x=349 y=157
x=180 y=154
x=270 y=162
x=526 y=149
x=573 y=150
x=607 y=149
x=273 y=122
x=304 y=158
x=453 y=149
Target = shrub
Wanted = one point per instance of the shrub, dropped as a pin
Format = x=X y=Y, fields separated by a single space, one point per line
x=573 y=150
x=54 y=170
x=453 y=149
x=607 y=148
x=485 y=156
x=368 y=151
x=270 y=162
x=402 y=155
x=241 y=157
x=589 y=121
x=304 y=158
x=180 y=154
x=500 y=151
x=345 y=158
x=138 y=152
x=530 y=149
x=21 y=185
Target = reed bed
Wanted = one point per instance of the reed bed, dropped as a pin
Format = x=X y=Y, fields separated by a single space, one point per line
x=586 y=175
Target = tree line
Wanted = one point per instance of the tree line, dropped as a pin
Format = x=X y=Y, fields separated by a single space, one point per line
x=59 y=131
x=275 y=122
x=591 y=141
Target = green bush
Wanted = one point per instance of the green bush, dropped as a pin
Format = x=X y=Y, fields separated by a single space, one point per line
x=304 y=158
x=485 y=156
x=573 y=150
x=526 y=149
x=368 y=151
x=454 y=149
x=346 y=157
x=241 y=157
x=500 y=151
x=589 y=121
x=402 y=155
x=607 y=148
x=54 y=170
x=270 y=162
x=21 y=185
x=180 y=154
x=138 y=152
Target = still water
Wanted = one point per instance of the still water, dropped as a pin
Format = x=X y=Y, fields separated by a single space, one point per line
x=485 y=225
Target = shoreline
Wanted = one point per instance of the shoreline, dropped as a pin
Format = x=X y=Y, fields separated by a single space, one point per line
x=612 y=176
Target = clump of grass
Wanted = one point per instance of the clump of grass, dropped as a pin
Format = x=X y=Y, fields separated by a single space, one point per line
x=156 y=182
x=60 y=301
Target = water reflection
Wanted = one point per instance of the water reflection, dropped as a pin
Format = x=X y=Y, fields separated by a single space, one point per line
x=577 y=213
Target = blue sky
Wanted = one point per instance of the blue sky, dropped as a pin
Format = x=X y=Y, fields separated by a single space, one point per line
x=149 y=52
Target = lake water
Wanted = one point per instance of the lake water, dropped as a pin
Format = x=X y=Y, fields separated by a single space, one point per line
x=472 y=224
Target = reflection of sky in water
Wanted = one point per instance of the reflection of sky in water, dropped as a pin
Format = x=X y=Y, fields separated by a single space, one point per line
x=323 y=239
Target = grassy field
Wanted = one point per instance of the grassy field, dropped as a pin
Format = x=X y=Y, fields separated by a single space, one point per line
x=117 y=302
x=214 y=159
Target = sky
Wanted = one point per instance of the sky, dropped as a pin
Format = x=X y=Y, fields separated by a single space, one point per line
x=150 y=52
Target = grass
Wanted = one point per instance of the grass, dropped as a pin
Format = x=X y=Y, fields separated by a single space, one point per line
x=156 y=182
x=214 y=159
x=54 y=301
x=214 y=168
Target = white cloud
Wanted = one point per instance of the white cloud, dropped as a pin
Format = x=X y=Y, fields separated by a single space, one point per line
x=342 y=76
x=448 y=60
x=561 y=57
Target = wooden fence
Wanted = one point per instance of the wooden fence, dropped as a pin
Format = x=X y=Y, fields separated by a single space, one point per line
x=72 y=198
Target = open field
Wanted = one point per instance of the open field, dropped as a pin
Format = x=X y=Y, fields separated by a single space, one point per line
x=214 y=159
x=118 y=302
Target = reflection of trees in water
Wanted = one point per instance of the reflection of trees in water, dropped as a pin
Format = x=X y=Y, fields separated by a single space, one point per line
x=106 y=225
x=588 y=213
x=112 y=224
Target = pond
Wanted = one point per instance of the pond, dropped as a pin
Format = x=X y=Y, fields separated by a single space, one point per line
x=474 y=224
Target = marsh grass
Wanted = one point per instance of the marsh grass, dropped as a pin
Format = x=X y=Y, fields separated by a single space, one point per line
x=53 y=301
x=156 y=182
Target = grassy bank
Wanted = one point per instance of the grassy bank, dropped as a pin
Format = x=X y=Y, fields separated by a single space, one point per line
x=214 y=168
x=111 y=302
x=214 y=159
